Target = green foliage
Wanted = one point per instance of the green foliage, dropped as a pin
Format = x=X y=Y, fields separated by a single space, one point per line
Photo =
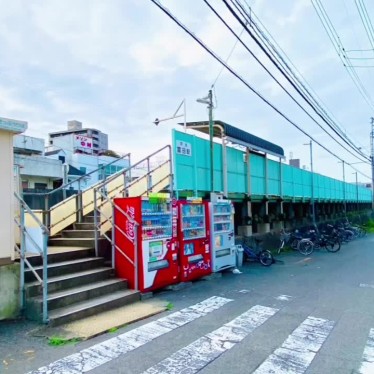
x=56 y=341
x=169 y=306
x=113 y=329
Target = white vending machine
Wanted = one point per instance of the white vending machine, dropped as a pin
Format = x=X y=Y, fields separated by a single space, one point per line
x=222 y=232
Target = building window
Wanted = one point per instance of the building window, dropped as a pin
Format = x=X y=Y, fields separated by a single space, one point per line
x=40 y=186
x=83 y=169
x=62 y=159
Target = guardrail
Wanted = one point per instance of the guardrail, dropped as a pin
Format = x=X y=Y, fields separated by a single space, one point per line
x=41 y=250
x=153 y=180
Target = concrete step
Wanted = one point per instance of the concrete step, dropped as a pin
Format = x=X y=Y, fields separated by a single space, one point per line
x=78 y=234
x=72 y=242
x=67 y=281
x=60 y=254
x=84 y=226
x=65 y=267
x=75 y=295
x=88 y=219
x=90 y=307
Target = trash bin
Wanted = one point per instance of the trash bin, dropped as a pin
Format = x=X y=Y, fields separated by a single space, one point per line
x=239 y=255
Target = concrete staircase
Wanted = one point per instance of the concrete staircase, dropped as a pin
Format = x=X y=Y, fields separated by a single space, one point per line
x=79 y=284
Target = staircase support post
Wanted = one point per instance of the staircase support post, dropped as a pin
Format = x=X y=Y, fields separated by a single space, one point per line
x=95 y=224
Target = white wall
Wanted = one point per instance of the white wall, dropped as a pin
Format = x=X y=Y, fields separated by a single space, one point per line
x=28 y=143
x=92 y=162
x=65 y=142
x=6 y=193
x=39 y=166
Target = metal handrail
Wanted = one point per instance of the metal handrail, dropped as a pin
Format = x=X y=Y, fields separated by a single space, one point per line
x=78 y=179
x=43 y=252
x=100 y=194
x=109 y=179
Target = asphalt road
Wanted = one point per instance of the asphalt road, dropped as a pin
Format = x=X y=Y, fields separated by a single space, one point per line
x=306 y=315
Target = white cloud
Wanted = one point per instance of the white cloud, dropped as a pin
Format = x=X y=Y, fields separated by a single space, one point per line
x=117 y=65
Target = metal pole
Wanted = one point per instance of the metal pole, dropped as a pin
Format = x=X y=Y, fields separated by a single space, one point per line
x=22 y=255
x=96 y=224
x=372 y=161
x=312 y=197
x=210 y=107
x=344 y=194
x=185 y=115
x=45 y=277
x=356 y=191
x=224 y=166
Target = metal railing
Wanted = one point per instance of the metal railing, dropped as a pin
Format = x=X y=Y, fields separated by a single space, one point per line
x=153 y=179
x=70 y=209
x=41 y=250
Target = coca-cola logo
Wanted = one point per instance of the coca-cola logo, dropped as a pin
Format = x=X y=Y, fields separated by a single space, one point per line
x=130 y=226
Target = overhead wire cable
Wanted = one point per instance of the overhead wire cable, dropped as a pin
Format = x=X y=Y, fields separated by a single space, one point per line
x=335 y=40
x=280 y=84
x=365 y=19
x=239 y=77
x=273 y=51
x=270 y=43
x=263 y=37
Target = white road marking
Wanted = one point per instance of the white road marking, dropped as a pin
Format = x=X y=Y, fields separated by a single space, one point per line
x=364 y=285
x=101 y=353
x=367 y=366
x=284 y=297
x=299 y=349
x=201 y=352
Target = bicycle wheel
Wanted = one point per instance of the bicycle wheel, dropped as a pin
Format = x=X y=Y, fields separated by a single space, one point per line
x=266 y=258
x=305 y=247
x=295 y=243
x=333 y=245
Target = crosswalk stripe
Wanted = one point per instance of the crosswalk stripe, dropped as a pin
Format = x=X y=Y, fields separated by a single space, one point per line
x=367 y=366
x=101 y=353
x=299 y=349
x=201 y=352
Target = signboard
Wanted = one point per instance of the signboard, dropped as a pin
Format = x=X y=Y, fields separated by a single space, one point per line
x=183 y=148
x=81 y=141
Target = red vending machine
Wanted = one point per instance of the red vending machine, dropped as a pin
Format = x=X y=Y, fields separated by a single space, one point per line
x=194 y=240
x=157 y=256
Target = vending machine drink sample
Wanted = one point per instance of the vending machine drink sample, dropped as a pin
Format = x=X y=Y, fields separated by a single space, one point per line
x=193 y=240
x=145 y=234
x=222 y=233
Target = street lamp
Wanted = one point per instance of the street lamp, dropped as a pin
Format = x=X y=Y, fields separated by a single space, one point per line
x=312 y=194
x=175 y=115
x=208 y=100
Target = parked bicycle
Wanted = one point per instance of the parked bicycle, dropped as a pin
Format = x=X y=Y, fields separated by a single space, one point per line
x=295 y=241
x=255 y=252
x=324 y=240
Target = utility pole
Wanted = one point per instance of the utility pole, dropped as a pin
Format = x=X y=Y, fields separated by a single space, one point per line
x=209 y=101
x=312 y=175
x=356 y=189
x=372 y=161
x=210 y=96
x=344 y=198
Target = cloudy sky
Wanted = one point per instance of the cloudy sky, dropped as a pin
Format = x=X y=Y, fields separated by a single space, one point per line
x=115 y=65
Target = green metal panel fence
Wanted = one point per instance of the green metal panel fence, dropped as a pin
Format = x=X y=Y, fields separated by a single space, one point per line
x=192 y=173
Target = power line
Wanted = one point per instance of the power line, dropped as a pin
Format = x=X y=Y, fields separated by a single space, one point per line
x=277 y=81
x=269 y=44
x=227 y=59
x=365 y=19
x=220 y=60
x=339 y=48
x=291 y=80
